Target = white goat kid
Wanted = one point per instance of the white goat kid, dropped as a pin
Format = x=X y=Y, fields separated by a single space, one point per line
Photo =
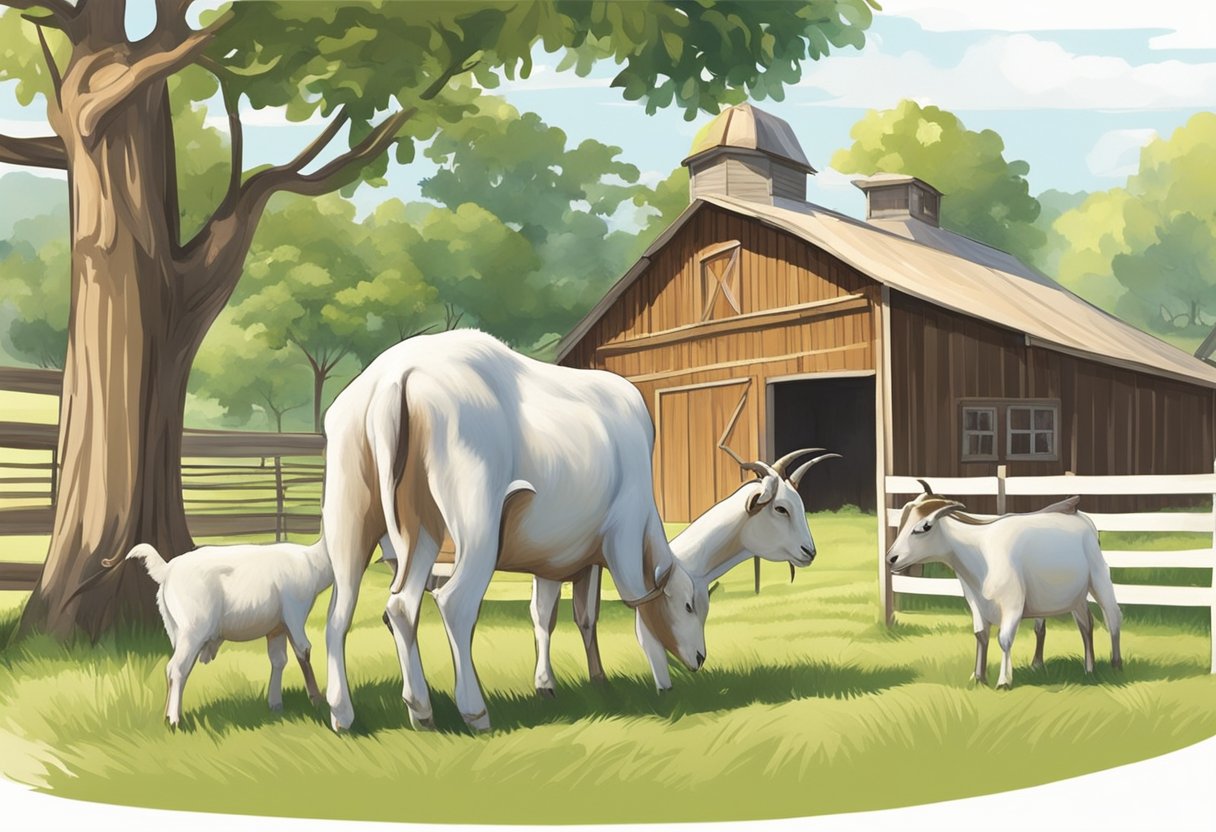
x=1018 y=565
x=764 y=517
x=215 y=594
x=530 y=467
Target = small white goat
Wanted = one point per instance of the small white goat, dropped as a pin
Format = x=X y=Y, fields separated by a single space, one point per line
x=764 y=517
x=215 y=594
x=1014 y=566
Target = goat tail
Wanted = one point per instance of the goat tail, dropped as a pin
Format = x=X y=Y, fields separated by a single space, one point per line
x=153 y=562
x=389 y=429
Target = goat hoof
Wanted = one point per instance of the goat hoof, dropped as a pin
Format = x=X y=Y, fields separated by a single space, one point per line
x=1004 y=686
x=338 y=725
x=479 y=724
x=276 y=706
x=978 y=681
x=1117 y=664
x=1037 y=664
x=546 y=693
x=600 y=681
x=422 y=723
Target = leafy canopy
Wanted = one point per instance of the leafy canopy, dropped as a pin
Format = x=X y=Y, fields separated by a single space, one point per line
x=984 y=197
x=1144 y=250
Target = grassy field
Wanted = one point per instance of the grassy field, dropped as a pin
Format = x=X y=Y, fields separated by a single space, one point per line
x=806 y=705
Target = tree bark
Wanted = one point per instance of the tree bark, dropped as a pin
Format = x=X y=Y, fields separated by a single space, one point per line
x=130 y=347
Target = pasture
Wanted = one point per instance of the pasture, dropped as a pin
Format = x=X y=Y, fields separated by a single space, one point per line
x=807 y=705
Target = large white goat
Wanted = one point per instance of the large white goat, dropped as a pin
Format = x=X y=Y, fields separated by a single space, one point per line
x=764 y=517
x=1014 y=566
x=240 y=592
x=528 y=466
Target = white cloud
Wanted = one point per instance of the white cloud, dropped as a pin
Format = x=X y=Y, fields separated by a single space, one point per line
x=24 y=128
x=831 y=179
x=1191 y=24
x=1116 y=154
x=1014 y=72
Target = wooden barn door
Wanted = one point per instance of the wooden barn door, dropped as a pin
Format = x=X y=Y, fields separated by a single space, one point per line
x=693 y=472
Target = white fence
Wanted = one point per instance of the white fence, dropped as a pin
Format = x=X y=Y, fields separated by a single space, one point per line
x=1002 y=486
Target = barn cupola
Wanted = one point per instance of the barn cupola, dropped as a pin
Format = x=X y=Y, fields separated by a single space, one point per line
x=892 y=196
x=747 y=154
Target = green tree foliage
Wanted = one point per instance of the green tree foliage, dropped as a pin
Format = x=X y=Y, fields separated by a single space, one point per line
x=305 y=253
x=985 y=196
x=236 y=368
x=34 y=268
x=1144 y=251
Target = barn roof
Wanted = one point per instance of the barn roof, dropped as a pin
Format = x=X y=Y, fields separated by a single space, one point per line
x=954 y=273
x=743 y=126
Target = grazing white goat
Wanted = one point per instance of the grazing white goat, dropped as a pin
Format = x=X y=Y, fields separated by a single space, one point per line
x=241 y=592
x=764 y=517
x=530 y=467
x=1014 y=566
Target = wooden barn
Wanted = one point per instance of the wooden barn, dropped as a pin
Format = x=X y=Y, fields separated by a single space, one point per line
x=766 y=322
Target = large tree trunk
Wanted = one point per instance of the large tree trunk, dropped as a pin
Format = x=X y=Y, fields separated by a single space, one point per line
x=130 y=347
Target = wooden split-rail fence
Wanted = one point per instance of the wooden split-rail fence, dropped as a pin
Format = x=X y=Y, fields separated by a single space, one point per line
x=1054 y=487
x=234 y=483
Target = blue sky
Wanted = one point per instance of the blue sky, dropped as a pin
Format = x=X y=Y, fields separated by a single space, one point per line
x=1075 y=88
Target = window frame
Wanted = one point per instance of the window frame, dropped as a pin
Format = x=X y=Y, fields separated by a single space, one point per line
x=994 y=433
x=731 y=251
x=1002 y=444
x=1054 y=409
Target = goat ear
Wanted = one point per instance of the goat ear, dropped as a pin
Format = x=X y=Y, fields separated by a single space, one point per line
x=761 y=498
x=950 y=508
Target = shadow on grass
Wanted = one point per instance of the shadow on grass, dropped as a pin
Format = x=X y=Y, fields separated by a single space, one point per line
x=378 y=705
x=1070 y=670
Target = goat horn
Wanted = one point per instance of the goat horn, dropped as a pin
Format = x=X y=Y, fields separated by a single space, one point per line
x=758 y=468
x=791 y=576
x=780 y=465
x=796 y=477
x=928 y=488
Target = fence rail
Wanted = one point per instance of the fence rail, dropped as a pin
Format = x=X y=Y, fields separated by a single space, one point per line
x=1002 y=486
x=234 y=483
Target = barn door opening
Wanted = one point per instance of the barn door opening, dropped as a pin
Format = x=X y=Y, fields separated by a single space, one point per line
x=832 y=413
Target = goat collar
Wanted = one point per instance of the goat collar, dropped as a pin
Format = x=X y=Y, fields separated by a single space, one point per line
x=653 y=594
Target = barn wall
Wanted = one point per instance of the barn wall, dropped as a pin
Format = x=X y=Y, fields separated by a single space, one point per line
x=682 y=381
x=1112 y=421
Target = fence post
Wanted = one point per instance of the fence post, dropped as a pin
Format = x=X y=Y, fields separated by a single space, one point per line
x=54 y=475
x=280 y=522
x=1001 y=472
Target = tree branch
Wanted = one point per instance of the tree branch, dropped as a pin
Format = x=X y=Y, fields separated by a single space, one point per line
x=335 y=173
x=236 y=130
x=212 y=260
x=51 y=67
x=151 y=64
x=39 y=152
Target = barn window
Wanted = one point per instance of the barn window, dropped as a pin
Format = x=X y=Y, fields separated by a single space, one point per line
x=979 y=433
x=1032 y=431
x=721 y=286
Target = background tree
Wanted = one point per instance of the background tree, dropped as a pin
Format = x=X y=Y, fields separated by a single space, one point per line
x=1131 y=250
x=147 y=290
x=985 y=197
x=305 y=254
x=34 y=267
x=236 y=369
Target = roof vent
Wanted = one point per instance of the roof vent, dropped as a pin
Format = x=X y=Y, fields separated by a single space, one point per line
x=896 y=196
x=747 y=154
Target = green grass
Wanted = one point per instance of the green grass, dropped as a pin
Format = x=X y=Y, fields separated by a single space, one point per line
x=807 y=705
